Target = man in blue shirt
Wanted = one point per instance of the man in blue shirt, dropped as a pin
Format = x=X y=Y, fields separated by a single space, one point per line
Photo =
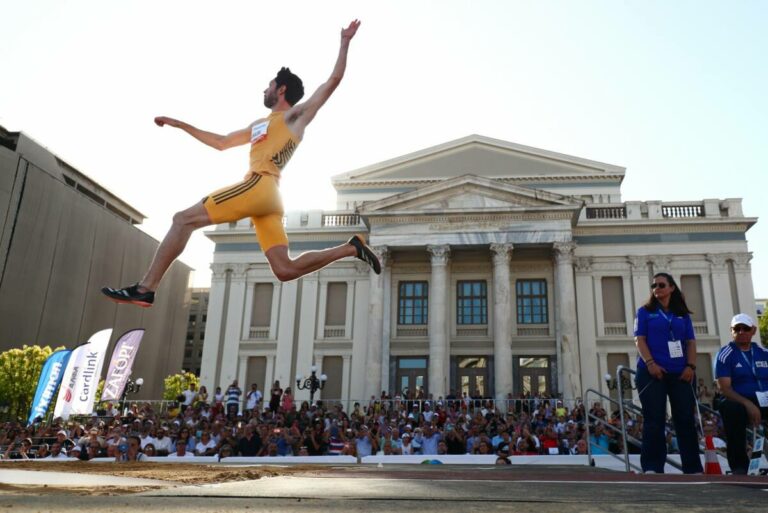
x=741 y=370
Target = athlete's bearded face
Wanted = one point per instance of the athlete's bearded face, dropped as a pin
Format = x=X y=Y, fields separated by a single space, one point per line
x=270 y=95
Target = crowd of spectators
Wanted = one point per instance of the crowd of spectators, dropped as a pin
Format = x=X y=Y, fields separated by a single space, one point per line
x=227 y=424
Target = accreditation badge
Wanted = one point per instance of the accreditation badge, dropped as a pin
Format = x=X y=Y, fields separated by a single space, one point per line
x=675 y=349
x=259 y=132
x=762 y=399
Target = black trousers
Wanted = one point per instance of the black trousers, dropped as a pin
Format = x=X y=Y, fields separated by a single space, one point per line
x=735 y=421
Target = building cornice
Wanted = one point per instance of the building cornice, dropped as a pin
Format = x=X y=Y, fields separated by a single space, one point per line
x=342 y=185
x=664 y=226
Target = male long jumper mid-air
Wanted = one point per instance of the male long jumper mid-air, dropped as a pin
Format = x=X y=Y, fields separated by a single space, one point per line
x=273 y=140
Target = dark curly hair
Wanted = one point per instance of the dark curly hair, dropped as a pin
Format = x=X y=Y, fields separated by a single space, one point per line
x=294 y=89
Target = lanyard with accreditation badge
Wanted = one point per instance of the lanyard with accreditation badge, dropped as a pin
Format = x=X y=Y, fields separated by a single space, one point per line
x=675 y=346
x=762 y=397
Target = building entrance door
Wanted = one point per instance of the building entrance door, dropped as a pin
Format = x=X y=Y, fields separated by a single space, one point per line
x=534 y=375
x=412 y=376
x=472 y=375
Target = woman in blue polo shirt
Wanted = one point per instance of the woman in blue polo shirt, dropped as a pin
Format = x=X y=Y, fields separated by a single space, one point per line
x=665 y=368
x=741 y=370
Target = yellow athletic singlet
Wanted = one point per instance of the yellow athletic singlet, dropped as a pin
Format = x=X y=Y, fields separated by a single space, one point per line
x=258 y=196
x=272 y=145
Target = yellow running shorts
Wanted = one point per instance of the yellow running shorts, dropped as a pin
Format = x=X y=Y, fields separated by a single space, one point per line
x=257 y=197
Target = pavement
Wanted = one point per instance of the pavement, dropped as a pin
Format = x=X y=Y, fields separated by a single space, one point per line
x=422 y=488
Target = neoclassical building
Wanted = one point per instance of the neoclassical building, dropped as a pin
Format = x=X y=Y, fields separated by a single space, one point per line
x=505 y=269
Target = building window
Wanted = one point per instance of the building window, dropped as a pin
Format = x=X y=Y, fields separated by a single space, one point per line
x=336 y=304
x=261 y=314
x=471 y=302
x=413 y=302
x=613 y=299
x=690 y=284
x=532 y=302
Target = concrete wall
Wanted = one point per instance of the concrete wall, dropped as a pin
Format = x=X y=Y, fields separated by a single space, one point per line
x=58 y=247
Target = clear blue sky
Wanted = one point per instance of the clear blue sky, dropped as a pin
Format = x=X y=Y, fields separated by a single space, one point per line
x=673 y=91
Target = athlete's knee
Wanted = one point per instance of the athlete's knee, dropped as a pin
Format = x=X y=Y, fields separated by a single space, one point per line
x=181 y=218
x=189 y=220
x=282 y=268
x=285 y=273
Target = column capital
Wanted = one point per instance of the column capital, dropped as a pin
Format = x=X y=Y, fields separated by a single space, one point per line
x=219 y=271
x=440 y=253
x=741 y=261
x=382 y=253
x=638 y=263
x=661 y=263
x=583 y=264
x=502 y=253
x=564 y=250
x=718 y=261
x=240 y=270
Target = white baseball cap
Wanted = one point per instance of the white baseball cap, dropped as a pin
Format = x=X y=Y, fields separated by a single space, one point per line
x=742 y=318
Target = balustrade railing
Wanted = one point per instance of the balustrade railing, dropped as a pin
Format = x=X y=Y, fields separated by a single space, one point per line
x=606 y=212
x=330 y=220
x=682 y=211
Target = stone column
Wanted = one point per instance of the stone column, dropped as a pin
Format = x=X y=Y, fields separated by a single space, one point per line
x=386 y=329
x=375 y=327
x=214 y=326
x=346 y=373
x=233 y=333
x=502 y=320
x=438 y=320
x=590 y=372
x=721 y=285
x=744 y=288
x=305 y=357
x=641 y=284
x=566 y=326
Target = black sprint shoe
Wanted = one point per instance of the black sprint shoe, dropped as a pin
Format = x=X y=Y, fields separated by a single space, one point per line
x=365 y=254
x=130 y=295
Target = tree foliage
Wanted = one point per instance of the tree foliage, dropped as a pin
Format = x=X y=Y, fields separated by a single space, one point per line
x=19 y=373
x=175 y=384
x=763 y=323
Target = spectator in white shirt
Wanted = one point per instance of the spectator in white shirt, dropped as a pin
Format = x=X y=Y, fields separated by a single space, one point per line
x=189 y=396
x=57 y=453
x=163 y=442
x=181 y=452
x=254 y=398
x=206 y=446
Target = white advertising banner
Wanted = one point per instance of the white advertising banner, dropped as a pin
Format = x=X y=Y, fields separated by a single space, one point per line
x=78 y=388
x=64 y=401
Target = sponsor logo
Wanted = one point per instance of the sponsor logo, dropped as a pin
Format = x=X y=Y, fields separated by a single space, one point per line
x=89 y=375
x=121 y=366
x=50 y=388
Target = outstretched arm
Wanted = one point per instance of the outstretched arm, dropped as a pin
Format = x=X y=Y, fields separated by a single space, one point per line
x=219 y=142
x=299 y=116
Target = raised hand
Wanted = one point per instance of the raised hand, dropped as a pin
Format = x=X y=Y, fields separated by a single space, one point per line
x=163 y=120
x=349 y=32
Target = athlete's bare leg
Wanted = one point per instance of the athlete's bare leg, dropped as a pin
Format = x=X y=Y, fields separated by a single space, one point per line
x=184 y=223
x=287 y=269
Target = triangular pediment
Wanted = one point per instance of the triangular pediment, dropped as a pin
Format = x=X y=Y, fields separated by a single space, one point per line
x=469 y=193
x=481 y=156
